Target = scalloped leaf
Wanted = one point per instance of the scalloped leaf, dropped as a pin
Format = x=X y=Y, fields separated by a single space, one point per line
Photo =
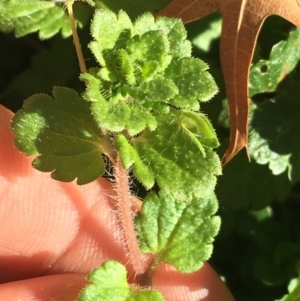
x=64 y=133
x=138 y=78
x=178 y=233
x=29 y=16
x=106 y=36
x=174 y=159
x=116 y=115
x=193 y=81
x=109 y=282
x=172 y=27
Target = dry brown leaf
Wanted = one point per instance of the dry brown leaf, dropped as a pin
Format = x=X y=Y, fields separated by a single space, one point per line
x=242 y=20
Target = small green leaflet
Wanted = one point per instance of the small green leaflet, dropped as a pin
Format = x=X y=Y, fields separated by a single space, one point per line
x=178 y=233
x=172 y=158
x=64 y=133
x=109 y=283
x=29 y=16
x=115 y=115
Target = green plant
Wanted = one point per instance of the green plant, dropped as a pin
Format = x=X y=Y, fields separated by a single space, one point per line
x=137 y=107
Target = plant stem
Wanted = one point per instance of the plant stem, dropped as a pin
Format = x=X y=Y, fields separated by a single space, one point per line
x=126 y=217
x=145 y=279
x=75 y=37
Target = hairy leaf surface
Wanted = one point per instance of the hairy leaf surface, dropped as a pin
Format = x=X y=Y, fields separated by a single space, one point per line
x=44 y=17
x=172 y=157
x=63 y=132
x=109 y=282
x=178 y=233
x=242 y=21
x=146 y=67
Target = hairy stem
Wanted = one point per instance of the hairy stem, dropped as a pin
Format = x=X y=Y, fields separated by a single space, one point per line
x=75 y=37
x=126 y=217
x=145 y=279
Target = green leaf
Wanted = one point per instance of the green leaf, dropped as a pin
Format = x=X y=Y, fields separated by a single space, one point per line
x=294 y=291
x=276 y=122
x=116 y=115
x=107 y=36
x=129 y=156
x=29 y=16
x=143 y=71
x=173 y=28
x=193 y=81
x=63 y=132
x=178 y=233
x=198 y=128
x=266 y=74
x=109 y=282
x=174 y=159
x=274 y=119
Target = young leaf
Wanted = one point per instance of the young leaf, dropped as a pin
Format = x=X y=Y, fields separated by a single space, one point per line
x=115 y=115
x=29 y=16
x=107 y=36
x=185 y=74
x=143 y=72
x=109 y=282
x=174 y=159
x=178 y=233
x=64 y=133
x=171 y=27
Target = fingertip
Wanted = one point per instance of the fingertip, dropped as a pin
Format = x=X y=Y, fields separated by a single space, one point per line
x=204 y=285
x=13 y=163
x=65 y=287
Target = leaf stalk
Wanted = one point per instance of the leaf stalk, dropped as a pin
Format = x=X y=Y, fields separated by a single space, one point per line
x=75 y=37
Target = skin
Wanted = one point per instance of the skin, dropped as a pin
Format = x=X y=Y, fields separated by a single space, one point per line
x=52 y=234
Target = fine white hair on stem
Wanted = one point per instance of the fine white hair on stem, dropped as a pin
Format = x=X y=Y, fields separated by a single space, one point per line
x=126 y=216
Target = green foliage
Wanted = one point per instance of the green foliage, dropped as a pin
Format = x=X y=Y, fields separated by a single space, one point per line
x=142 y=102
x=294 y=291
x=109 y=282
x=144 y=99
x=173 y=159
x=29 y=16
x=62 y=131
x=167 y=229
x=276 y=143
x=146 y=67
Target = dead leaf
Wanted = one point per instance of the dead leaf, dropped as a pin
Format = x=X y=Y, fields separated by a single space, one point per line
x=242 y=20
